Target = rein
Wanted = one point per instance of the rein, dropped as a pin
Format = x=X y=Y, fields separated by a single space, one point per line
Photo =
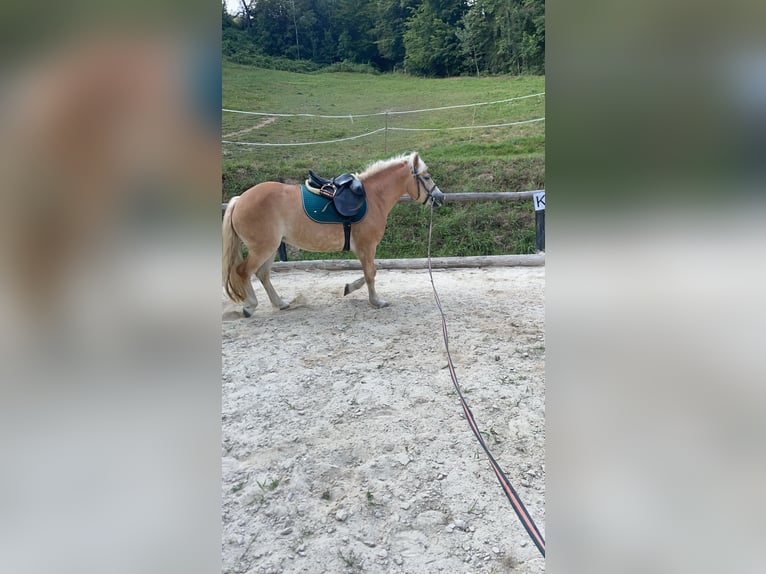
x=510 y=492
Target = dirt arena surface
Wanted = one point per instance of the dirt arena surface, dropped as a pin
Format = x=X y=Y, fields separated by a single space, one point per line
x=344 y=444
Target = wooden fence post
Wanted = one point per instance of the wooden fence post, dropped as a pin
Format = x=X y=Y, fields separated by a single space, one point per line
x=539 y=201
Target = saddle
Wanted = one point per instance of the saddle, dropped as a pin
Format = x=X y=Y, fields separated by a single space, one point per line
x=346 y=192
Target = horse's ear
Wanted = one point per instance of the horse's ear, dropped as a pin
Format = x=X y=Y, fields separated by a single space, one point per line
x=415 y=161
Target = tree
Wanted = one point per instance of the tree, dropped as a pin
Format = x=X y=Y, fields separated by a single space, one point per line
x=506 y=35
x=246 y=14
x=430 y=37
x=355 y=21
x=226 y=20
x=432 y=48
x=389 y=31
x=475 y=36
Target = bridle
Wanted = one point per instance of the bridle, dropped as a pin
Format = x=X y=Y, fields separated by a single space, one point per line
x=421 y=182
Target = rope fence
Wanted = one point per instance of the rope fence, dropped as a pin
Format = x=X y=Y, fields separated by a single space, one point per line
x=384 y=113
x=384 y=129
x=447 y=262
x=267 y=144
x=466 y=127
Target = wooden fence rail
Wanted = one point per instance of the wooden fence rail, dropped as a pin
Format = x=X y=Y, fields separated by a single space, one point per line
x=470 y=196
x=535 y=260
x=436 y=262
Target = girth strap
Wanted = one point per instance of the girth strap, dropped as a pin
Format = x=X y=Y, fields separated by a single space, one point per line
x=346 y=236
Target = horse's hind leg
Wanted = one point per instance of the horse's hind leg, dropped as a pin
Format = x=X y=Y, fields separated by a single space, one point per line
x=264 y=274
x=252 y=301
x=259 y=264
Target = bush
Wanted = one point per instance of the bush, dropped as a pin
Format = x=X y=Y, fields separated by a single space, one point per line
x=348 y=66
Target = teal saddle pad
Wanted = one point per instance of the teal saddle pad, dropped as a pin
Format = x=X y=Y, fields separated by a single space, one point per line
x=322 y=210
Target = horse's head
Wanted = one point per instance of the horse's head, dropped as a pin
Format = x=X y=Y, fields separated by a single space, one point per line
x=426 y=189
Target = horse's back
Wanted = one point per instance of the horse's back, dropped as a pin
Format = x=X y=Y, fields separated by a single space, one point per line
x=269 y=191
x=270 y=198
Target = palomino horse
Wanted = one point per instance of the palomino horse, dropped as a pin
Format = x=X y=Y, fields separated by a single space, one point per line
x=268 y=212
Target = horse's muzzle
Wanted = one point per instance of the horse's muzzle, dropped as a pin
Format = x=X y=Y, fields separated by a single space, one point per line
x=437 y=197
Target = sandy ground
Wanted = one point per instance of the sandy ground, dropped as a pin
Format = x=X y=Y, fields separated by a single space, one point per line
x=344 y=445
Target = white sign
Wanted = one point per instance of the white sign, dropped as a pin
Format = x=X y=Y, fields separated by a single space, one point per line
x=539 y=199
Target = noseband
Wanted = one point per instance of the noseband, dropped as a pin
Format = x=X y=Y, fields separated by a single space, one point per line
x=420 y=181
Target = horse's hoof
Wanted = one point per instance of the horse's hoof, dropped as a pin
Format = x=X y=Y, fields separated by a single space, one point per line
x=346 y=290
x=380 y=304
x=247 y=312
x=284 y=306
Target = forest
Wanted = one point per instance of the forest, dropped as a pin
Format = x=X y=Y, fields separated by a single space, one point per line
x=433 y=38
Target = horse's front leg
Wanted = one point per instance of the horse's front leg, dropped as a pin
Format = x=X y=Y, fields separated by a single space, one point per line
x=353 y=286
x=367 y=259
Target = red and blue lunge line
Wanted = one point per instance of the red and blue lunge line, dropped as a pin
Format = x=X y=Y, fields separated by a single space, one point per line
x=510 y=492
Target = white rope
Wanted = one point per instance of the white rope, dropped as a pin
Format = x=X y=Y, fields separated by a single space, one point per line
x=467 y=105
x=390 y=113
x=382 y=130
x=275 y=115
x=466 y=127
x=305 y=143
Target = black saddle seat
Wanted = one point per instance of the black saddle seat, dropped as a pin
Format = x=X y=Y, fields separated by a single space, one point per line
x=319 y=182
x=347 y=192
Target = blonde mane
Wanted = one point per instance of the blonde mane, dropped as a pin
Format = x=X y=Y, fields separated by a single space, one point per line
x=380 y=165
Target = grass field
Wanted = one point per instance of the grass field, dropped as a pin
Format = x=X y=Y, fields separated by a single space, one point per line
x=509 y=158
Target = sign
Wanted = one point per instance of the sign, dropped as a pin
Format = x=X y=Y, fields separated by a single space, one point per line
x=539 y=200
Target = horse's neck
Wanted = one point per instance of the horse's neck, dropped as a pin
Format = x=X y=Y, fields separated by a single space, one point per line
x=386 y=186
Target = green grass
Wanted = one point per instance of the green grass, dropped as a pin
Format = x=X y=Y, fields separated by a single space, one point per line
x=268 y=486
x=488 y=159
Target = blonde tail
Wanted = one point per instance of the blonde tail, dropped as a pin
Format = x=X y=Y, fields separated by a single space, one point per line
x=233 y=282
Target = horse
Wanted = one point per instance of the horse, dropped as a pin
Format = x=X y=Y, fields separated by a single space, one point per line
x=270 y=212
